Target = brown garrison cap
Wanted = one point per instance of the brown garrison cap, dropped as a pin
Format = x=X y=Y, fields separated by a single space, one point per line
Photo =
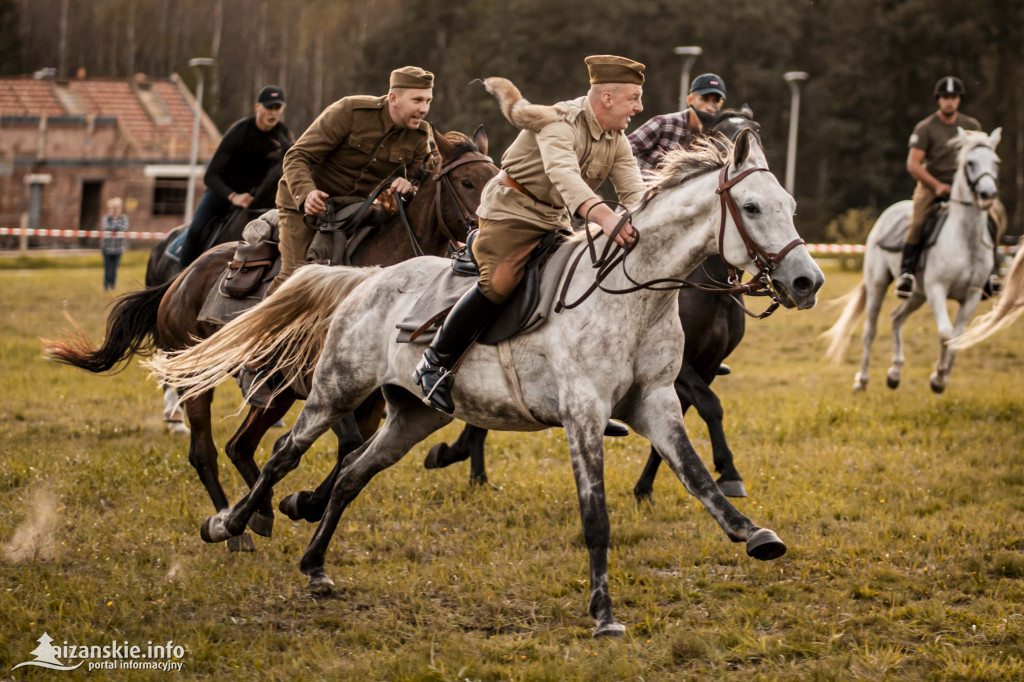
x=412 y=77
x=607 y=68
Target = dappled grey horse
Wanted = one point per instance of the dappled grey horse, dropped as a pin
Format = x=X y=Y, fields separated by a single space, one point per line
x=616 y=355
x=955 y=267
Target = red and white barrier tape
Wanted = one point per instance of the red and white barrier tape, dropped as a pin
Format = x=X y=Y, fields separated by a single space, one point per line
x=17 y=231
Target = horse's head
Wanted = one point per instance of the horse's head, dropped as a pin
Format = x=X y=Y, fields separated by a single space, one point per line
x=459 y=179
x=761 y=237
x=730 y=122
x=979 y=163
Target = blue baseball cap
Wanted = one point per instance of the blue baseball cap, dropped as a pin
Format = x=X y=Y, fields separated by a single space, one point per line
x=708 y=83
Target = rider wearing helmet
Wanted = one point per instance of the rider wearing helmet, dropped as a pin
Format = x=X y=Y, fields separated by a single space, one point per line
x=932 y=162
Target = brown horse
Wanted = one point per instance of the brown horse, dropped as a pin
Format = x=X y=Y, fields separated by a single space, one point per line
x=167 y=316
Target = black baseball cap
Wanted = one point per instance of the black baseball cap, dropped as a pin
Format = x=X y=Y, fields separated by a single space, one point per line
x=271 y=95
x=708 y=83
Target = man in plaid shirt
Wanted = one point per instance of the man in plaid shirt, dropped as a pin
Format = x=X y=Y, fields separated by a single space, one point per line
x=669 y=132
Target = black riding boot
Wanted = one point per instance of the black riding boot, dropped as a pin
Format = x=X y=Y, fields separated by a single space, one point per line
x=905 y=283
x=468 y=317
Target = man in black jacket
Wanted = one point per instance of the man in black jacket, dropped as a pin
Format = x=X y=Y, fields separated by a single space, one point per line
x=246 y=153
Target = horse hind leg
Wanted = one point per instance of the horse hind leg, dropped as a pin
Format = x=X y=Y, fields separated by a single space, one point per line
x=873 y=305
x=899 y=318
x=409 y=421
x=173 y=415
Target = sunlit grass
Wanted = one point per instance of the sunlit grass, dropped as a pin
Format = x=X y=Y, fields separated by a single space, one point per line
x=902 y=511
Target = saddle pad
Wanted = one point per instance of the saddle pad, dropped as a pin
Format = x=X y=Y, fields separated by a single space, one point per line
x=892 y=239
x=173 y=250
x=448 y=287
x=220 y=309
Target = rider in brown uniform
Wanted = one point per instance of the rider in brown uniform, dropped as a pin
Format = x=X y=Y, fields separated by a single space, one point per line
x=353 y=146
x=546 y=176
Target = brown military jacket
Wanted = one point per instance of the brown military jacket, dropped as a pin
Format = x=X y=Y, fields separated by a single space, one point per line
x=562 y=166
x=348 y=150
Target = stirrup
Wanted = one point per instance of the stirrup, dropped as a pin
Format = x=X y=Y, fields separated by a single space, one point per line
x=438 y=395
x=905 y=285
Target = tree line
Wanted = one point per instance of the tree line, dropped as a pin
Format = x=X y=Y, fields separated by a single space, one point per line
x=872 y=65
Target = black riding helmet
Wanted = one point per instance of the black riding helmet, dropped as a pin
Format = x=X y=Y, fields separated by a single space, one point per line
x=950 y=85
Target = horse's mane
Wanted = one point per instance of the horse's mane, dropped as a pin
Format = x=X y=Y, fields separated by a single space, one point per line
x=463 y=143
x=968 y=142
x=702 y=156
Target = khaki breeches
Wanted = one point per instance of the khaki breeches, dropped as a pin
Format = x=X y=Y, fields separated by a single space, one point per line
x=295 y=237
x=501 y=250
x=923 y=201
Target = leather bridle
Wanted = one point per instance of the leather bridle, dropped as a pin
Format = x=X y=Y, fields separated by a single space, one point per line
x=613 y=254
x=467 y=218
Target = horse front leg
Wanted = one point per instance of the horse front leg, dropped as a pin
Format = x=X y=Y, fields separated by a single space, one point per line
x=872 y=307
x=584 y=429
x=693 y=390
x=939 y=379
x=408 y=422
x=659 y=419
x=241 y=450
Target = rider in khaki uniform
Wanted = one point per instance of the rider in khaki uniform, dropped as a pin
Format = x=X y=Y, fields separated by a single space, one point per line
x=546 y=176
x=353 y=146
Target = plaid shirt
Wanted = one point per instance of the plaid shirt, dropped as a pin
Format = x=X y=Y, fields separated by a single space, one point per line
x=657 y=137
x=114 y=243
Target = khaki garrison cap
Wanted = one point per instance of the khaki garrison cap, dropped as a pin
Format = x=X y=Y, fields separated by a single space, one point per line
x=412 y=77
x=607 y=68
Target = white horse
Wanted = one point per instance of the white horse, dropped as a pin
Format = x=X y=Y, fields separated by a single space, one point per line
x=614 y=356
x=1008 y=308
x=955 y=267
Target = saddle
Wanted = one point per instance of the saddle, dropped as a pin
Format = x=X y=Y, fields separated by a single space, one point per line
x=892 y=239
x=346 y=222
x=527 y=310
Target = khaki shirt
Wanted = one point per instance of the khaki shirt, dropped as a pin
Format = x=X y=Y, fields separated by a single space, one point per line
x=348 y=150
x=562 y=165
x=932 y=136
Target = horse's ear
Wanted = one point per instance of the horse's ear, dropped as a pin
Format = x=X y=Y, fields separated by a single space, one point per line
x=995 y=136
x=480 y=139
x=444 y=146
x=747 y=111
x=741 y=147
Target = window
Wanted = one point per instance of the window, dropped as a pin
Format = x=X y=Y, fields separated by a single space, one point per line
x=169 y=196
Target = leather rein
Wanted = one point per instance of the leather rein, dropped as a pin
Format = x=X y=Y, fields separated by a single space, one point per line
x=613 y=254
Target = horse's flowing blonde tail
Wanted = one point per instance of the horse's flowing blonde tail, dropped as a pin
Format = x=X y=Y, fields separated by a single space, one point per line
x=284 y=334
x=1006 y=311
x=839 y=334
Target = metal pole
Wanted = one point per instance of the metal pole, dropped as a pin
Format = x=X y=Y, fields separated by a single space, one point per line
x=190 y=197
x=793 y=78
x=689 y=55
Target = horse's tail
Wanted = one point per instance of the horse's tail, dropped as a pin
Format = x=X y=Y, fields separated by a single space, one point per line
x=283 y=335
x=131 y=330
x=839 y=334
x=518 y=110
x=1006 y=311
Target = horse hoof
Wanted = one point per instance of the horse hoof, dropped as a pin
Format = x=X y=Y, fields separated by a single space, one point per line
x=320 y=585
x=937 y=386
x=177 y=428
x=213 y=529
x=644 y=496
x=262 y=524
x=241 y=543
x=892 y=381
x=289 y=506
x=765 y=545
x=732 y=488
x=433 y=459
x=610 y=630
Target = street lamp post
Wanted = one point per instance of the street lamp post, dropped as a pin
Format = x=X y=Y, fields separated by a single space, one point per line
x=194 y=154
x=793 y=78
x=689 y=55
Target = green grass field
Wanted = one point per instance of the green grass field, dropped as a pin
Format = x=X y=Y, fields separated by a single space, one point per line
x=903 y=512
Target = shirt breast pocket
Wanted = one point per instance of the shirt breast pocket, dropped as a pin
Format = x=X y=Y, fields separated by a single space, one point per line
x=400 y=155
x=597 y=171
x=359 y=143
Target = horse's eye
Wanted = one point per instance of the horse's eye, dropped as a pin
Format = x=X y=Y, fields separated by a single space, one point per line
x=467 y=184
x=752 y=209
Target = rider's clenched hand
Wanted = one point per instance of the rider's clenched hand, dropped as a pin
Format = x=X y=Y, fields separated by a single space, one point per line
x=315 y=202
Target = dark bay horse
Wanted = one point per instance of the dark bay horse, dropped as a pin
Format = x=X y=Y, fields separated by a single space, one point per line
x=166 y=316
x=713 y=326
